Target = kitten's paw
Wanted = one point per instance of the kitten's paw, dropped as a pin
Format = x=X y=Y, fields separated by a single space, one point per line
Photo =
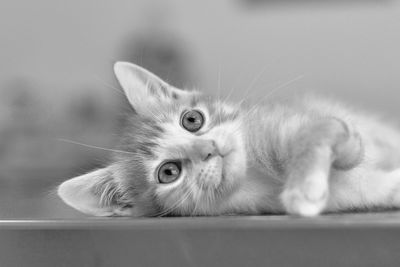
x=308 y=198
x=347 y=146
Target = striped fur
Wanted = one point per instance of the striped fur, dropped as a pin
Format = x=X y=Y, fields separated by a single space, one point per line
x=305 y=157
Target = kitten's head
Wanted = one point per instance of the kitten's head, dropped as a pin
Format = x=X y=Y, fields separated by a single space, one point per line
x=182 y=154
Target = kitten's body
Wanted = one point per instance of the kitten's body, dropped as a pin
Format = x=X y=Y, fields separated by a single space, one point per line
x=305 y=157
x=371 y=183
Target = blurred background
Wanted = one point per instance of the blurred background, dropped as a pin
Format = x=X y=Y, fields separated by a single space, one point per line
x=56 y=79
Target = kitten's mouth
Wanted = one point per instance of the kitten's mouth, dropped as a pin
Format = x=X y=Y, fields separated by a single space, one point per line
x=226 y=153
x=211 y=175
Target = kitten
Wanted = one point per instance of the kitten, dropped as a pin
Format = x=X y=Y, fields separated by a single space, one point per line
x=189 y=154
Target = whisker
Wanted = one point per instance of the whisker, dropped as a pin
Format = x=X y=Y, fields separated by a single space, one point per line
x=219 y=93
x=229 y=94
x=92 y=146
x=254 y=81
x=108 y=85
x=233 y=87
x=220 y=111
x=255 y=106
x=286 y=84
x=189 y=192
x=174 y=206
x=197 y=200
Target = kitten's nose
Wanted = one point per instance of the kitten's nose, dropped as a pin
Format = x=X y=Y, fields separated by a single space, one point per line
x=205 y=149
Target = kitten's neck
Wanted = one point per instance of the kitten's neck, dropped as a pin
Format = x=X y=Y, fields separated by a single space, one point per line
x=260 y=188
x=263 y=140
x=257 y=194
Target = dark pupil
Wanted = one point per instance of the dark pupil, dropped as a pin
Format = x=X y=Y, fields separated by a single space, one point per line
x=192 y=121
x=168 y=172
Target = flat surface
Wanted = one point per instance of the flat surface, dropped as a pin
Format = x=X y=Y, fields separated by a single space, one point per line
x=358 y=220
x=330 y=240
x=37 y=229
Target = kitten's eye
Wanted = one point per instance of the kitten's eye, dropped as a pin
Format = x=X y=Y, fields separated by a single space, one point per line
x=169 y=172
x=192 y=120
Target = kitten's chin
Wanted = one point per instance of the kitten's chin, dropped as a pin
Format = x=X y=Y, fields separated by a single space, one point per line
x=233 y=167
x=211 y=175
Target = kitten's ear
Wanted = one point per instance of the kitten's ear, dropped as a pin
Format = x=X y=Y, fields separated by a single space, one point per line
x=143 y=87
x=95 y=193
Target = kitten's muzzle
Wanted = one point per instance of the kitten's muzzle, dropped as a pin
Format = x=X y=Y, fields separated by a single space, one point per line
x=205 y=149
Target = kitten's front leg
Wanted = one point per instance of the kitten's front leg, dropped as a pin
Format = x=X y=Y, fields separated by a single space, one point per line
x=319 y=146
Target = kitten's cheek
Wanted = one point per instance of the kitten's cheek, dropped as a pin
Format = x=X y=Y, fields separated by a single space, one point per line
x=234 y=167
